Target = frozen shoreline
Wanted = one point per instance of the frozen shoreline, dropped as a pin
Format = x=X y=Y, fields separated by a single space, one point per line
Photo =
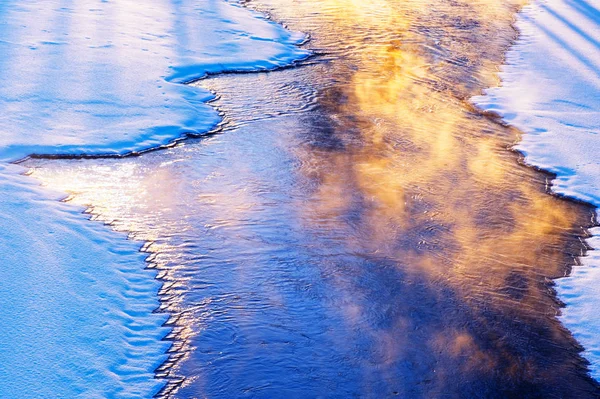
x=77 y=301
x=96 y=79
x=105 y=79
x=242 y=217
x=551 y=91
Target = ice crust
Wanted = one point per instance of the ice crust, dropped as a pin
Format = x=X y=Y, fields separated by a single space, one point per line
x=103 y=77
x=551 y=91
x=99 y=77
x=76 y=302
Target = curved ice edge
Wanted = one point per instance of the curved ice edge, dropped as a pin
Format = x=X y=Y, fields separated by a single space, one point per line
x=163 y=136
x=549 y=91
x=85 y=324
x=110 y=118
x=581 y=299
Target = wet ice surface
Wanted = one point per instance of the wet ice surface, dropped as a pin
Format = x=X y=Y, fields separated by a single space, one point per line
x=87 y=78
x=551 y=90
x=272 y=298
x=355 y=230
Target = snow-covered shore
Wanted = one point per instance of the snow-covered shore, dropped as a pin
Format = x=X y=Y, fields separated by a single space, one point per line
x=551 y=91
x=91 y=77
x=76 y=302
x=103 y=78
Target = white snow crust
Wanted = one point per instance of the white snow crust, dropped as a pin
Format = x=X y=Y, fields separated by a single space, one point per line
x=551 y=91
x=76 y=302
x=103 y=77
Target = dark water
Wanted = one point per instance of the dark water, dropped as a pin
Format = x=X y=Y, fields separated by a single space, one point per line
x=356 y=229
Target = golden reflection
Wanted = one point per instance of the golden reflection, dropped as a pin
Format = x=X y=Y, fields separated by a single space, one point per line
x=442 y=195
x=431 y=185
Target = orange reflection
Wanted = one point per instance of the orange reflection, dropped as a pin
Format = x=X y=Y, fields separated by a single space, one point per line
x=440 y=192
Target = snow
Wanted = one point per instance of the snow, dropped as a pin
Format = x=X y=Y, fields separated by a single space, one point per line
x=99 y=77
x=551 y=91
x=76 y=302
x=103 y=77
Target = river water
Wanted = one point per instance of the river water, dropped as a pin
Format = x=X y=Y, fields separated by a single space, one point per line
x=354 y=228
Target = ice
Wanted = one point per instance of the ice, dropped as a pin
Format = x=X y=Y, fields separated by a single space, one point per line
x=99 y=77
x=551 y=91
x=103 y=77
x=76 y=302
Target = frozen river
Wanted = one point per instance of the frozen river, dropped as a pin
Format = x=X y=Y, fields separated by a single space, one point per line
x=353 y=227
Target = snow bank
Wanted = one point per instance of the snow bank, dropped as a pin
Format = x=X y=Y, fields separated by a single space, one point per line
x=76 y=303
x=102 y=77
x=551 y=91
x=99 y=77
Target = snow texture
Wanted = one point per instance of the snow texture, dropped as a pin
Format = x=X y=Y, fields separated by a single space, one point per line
x=99 y=77
x=76 y=302
x=551 y=91
x=103 y=77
